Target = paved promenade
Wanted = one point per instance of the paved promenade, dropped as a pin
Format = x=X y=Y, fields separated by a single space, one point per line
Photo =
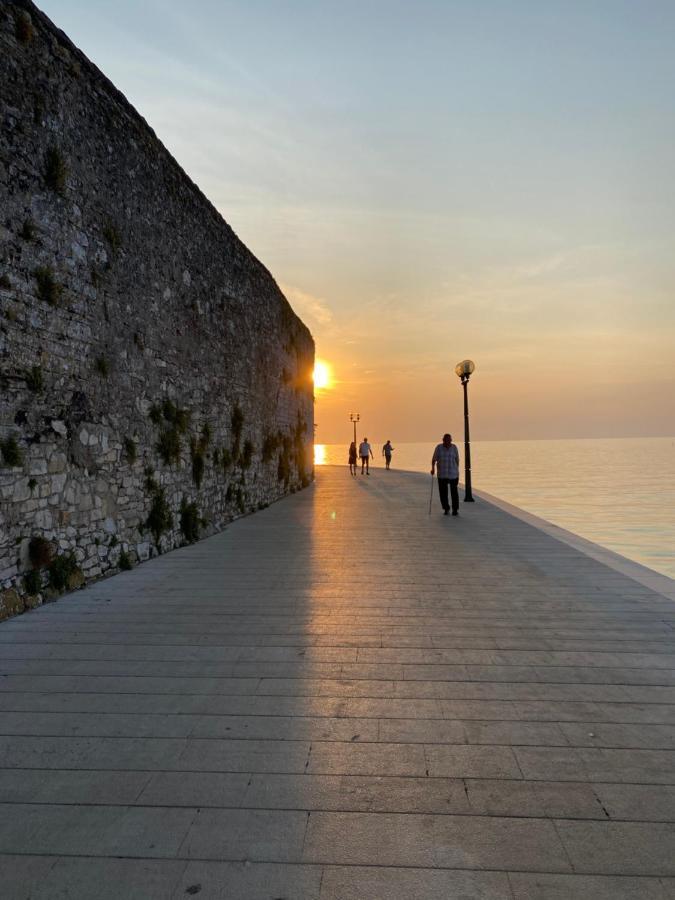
x=341 y=698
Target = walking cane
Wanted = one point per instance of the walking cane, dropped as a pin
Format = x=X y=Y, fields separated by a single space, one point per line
x=431 y=495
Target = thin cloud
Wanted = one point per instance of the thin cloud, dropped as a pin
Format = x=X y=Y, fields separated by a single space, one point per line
x=313 y=309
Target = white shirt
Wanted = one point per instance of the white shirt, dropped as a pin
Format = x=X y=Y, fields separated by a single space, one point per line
x=364 y=449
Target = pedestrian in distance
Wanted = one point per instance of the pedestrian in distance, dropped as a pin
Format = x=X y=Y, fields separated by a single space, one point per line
x=446 y=463
x=366 y=454
x=387 y=450
x=352 y=458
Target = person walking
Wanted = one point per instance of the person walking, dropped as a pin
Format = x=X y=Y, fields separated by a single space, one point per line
x=387 y=450
x=366 y=454
x=352 y=458
x=446 y=462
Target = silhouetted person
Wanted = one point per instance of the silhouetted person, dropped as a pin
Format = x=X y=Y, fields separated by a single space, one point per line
x=387 y=450
x=352 y=458
x=365 y=452
x=446 y=462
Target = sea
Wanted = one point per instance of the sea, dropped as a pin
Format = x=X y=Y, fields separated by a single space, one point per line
x=617 y=492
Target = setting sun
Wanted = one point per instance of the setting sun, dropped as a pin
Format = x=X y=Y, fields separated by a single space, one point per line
x=321 y=374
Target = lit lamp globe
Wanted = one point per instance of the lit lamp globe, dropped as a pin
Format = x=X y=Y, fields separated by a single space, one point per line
x=464 y=369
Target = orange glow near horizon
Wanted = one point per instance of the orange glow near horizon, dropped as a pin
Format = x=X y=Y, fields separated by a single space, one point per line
x=319 y=454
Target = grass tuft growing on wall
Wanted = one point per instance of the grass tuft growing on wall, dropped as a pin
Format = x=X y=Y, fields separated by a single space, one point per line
x=27 y=232
x=169 y=446
x=112 y=235
x=247 y=452
x=160 y=519
x=190 y=521
x=225 y=460
x=48 y=288
x=34 y=379
x=198 y=463
x=130 y=450
x=63 y=572
x=40 y=552
x=269 y=447
x=32 y=582
x=237 y=425
x=23 y=28
x=180 y=418
x=56 y=170
x=102 y=366
x=11 y=454
x=176 y=422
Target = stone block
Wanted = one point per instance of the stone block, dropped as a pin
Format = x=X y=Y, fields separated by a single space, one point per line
x=57 y=462
x=58 y=482
x=143 y=550
x=43 y=519
x=21 y=491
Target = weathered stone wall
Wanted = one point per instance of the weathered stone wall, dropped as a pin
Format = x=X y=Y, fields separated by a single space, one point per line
x=154 y=382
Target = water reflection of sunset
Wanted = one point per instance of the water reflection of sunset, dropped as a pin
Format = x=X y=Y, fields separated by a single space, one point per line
x=320 y=455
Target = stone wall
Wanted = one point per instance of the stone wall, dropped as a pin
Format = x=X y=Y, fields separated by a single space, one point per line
x=154 y=382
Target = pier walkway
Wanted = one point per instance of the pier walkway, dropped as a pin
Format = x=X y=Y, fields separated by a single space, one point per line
x=342 y=698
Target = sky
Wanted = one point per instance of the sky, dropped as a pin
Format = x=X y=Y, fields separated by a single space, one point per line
x=435 y=181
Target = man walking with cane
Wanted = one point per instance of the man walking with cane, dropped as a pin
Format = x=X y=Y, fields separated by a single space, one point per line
x=446 y=462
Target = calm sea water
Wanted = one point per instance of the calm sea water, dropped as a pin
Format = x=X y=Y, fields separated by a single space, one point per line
x=617 y=492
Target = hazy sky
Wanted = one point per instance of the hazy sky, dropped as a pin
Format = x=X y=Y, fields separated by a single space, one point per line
x=430 y=181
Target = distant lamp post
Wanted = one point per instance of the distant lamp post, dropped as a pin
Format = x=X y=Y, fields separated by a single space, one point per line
x=464 y=371
x=354 y=418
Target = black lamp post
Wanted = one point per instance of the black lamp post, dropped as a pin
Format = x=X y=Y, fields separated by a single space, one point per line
x=464 y=370
x=354 y=418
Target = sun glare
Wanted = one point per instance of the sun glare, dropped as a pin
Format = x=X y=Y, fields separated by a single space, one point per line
x=321 y=374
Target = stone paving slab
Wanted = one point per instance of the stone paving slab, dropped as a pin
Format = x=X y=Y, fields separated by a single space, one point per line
x=342 y=697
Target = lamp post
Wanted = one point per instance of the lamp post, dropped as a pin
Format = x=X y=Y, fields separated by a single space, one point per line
x=354 y=418
x=464 y=370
